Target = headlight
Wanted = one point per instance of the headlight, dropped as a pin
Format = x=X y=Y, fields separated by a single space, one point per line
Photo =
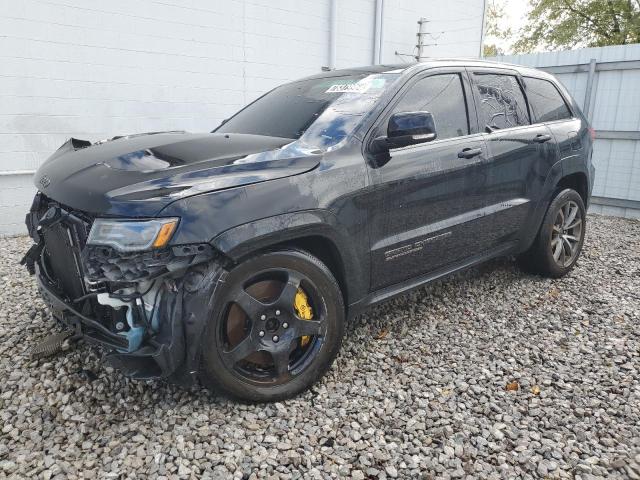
x=130 y=235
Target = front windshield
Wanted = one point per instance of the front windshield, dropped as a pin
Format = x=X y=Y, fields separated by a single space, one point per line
x=320 y=112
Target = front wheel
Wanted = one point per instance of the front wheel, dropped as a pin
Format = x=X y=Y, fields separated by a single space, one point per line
x=558 y=244
x=274 y=328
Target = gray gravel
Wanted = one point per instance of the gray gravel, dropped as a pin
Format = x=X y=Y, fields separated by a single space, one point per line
x=492 y=373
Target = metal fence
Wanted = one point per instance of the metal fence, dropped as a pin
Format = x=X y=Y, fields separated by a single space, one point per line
x=606 y=83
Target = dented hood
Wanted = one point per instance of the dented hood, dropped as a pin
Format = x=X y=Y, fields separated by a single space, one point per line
x=139 y=175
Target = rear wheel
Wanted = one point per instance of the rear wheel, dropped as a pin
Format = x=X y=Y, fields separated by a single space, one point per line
x=558 y=244
x=274 y=328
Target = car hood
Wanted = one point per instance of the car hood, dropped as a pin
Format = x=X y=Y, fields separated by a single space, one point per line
x=139 y=175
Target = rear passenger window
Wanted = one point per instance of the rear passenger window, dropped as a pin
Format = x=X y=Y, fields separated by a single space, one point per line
x=443 y=97
x=545 y=100
x=502 y=103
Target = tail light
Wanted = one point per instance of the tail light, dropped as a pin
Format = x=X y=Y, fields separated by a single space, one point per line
x=592 y=133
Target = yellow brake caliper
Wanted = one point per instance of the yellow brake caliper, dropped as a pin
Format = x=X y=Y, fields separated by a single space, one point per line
x=303 y=309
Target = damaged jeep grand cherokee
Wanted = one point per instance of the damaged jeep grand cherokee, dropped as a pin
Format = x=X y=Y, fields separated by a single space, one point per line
x=235 y=257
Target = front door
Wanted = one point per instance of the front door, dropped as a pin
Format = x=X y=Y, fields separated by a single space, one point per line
x=428 y=200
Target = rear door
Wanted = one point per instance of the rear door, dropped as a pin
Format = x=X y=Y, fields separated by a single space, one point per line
x=520 y=153
x=548 y=106
x=426 y=205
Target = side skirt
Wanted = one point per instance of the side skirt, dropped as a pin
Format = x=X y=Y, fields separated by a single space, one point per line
x=392 y=291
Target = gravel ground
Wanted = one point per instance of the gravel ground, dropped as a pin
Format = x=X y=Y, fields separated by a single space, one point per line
x=492 y=373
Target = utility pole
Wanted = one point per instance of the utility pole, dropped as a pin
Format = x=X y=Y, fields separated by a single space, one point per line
x=419 y=48
x=420 y=35
x=484 y=19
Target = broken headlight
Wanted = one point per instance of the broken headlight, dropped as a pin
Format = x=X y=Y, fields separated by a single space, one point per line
x=132 y=235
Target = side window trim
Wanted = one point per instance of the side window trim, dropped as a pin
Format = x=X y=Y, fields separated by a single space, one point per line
x=523 y=89
x=474 y=121
x=496 y=71
x=567 y=104
x=421 y=75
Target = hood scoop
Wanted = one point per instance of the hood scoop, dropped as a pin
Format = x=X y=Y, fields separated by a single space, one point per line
x=141 y=161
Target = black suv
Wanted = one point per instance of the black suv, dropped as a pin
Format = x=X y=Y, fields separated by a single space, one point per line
x=236 y=256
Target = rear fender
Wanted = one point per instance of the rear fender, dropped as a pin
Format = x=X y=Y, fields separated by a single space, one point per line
x=549 y=188
x=576 y=165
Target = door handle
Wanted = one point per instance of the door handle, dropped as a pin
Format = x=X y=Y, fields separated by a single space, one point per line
x=469 y=152
x=541 y=138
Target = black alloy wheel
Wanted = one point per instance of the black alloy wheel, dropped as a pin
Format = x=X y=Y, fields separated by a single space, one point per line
x=275 y=328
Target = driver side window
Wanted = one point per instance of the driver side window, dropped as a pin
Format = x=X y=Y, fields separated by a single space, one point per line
x=441 y=95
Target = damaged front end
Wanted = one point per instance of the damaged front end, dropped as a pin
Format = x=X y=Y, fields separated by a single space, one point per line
x=147 y=307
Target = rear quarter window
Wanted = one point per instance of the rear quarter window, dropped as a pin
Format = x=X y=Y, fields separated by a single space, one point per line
x=545 y=100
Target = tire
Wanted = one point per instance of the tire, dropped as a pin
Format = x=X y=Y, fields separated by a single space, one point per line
x=558 y=244
x=257 y=346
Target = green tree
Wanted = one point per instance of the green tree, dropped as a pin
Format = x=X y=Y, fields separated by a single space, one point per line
x=565 y=24
x=494 y=20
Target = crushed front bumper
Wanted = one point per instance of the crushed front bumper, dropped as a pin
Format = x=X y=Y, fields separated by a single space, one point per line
x=147 y=309
x=160 y=356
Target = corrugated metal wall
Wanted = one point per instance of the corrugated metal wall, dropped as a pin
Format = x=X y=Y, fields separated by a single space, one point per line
x=614 y=111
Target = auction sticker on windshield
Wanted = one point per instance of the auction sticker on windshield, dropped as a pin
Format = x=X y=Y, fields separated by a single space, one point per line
x=357 y=87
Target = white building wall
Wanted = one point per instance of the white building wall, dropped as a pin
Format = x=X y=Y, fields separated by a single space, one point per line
x=93 y=70
x=356 y=20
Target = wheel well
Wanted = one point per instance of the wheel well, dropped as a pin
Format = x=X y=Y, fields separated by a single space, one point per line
x=576 y=181
x=326 y=251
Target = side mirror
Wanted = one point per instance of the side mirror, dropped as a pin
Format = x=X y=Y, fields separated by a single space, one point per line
x=407 y=128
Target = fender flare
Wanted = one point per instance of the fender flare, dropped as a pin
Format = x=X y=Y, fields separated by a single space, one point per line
x=571 y=167
x=239 y=242
x=549 y=187
x=558 y=171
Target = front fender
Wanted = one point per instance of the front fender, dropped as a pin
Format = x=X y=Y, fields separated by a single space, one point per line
x=238 y=242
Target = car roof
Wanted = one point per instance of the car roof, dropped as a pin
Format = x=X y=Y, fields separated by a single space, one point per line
x=400 y=67
x=481 y=62
x=431 y=63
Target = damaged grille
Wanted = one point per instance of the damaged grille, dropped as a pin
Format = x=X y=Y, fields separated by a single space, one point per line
x=60 y=256
x=64 y=237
